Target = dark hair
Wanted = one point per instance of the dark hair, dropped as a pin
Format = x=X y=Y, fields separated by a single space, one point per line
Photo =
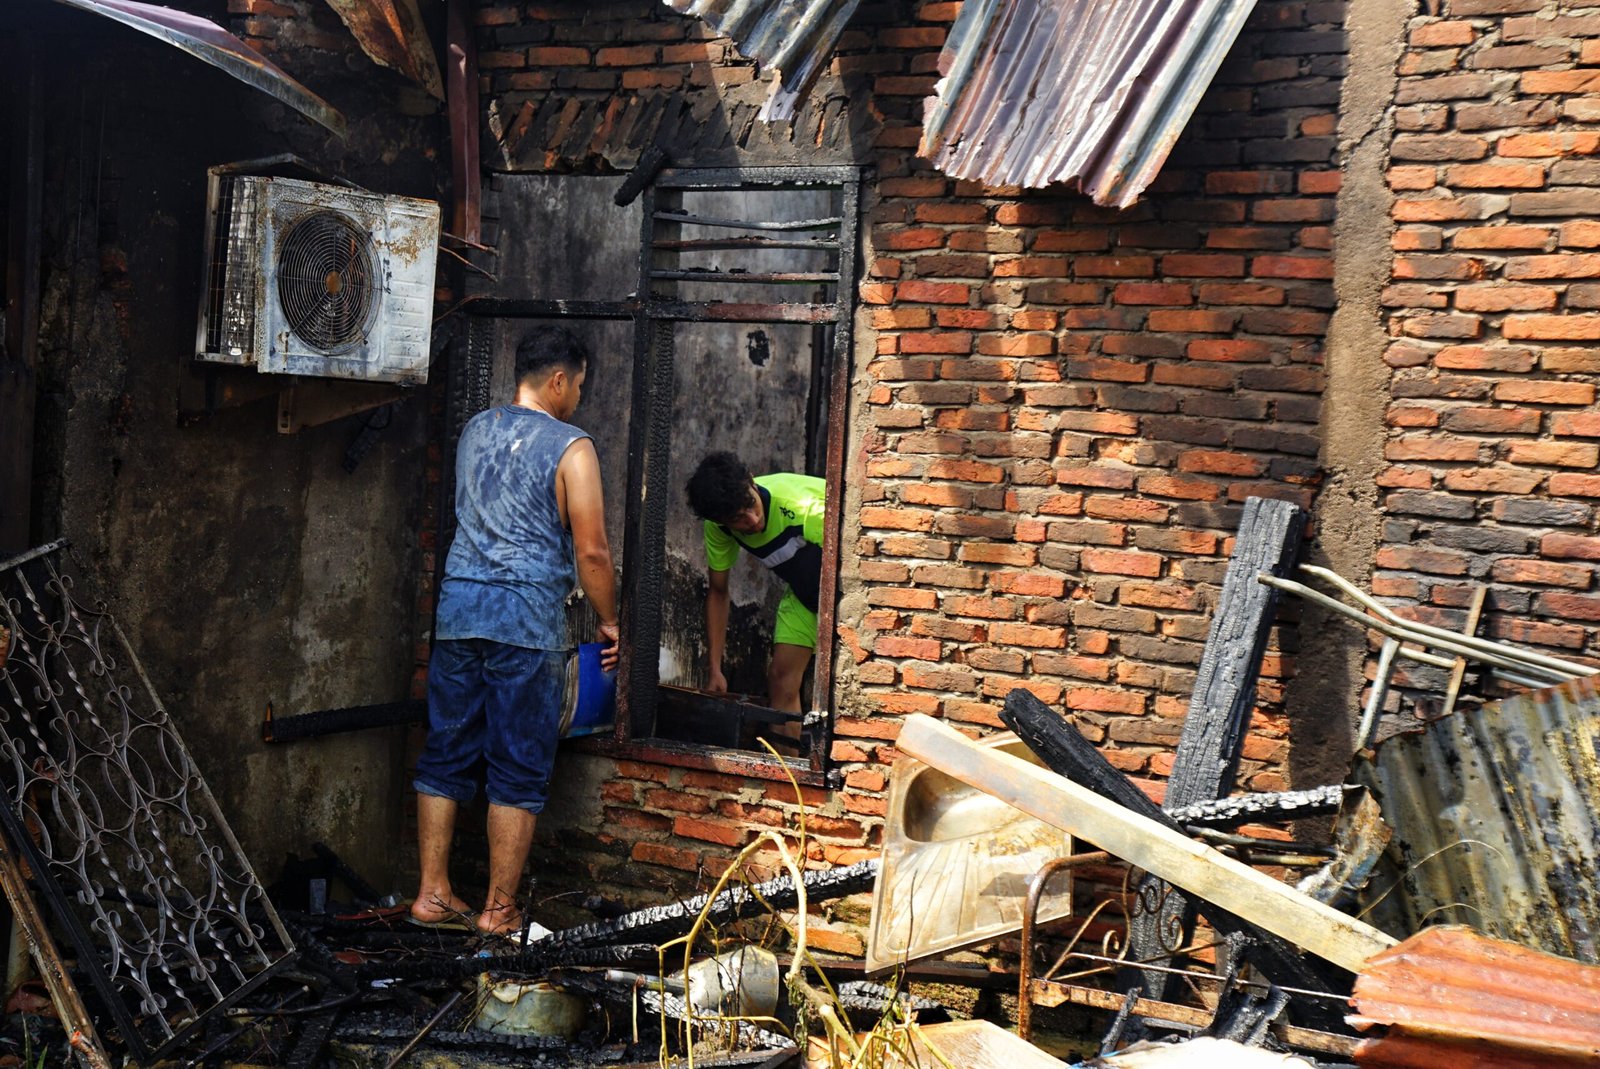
x=719 y=487
x=548 y=348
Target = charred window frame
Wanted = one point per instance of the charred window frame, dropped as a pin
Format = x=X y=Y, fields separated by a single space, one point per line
x=656 y=311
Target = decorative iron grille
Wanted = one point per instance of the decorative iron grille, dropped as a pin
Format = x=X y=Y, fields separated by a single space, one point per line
x=125 y=841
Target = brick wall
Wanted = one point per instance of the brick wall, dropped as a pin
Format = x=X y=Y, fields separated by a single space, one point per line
x=1493 y=437
x=1064 y=406
x=1069 y=403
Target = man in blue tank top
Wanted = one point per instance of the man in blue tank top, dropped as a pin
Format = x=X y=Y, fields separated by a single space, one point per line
x=528 y=502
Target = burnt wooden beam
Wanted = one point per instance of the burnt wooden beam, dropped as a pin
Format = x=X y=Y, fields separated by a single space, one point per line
x=1224 y=693
x=1225 y=686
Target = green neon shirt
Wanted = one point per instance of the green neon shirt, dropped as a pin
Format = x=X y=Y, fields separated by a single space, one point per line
x=790 y=544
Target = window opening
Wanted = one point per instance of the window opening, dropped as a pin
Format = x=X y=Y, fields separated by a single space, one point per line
x=741 y=311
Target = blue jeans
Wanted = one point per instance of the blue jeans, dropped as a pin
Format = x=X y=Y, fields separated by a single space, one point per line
x=500 y=703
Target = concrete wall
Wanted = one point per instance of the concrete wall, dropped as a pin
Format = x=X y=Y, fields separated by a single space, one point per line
x=246 y=567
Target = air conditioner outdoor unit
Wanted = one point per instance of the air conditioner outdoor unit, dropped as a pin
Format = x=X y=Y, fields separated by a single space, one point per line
x=304 y=278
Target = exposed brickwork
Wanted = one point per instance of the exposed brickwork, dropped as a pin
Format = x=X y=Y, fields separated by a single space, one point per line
x=1493 y=439
x=1069 y=403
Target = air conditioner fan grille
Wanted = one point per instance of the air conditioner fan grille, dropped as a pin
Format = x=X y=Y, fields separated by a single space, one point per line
x=326 y=280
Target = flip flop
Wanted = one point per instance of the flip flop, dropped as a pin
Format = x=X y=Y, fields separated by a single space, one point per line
x=451 y=923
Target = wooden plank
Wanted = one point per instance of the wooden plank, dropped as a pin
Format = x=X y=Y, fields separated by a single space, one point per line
x=1061 y=747
x=1203 y=872
x=1055 y=993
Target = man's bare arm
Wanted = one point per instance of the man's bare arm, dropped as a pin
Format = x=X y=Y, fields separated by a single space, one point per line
x=716 y=628
x=584 y=498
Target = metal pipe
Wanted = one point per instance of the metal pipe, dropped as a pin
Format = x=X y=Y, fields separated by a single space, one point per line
x=1497 y=655
x=1030 y=918
x=1556 y=664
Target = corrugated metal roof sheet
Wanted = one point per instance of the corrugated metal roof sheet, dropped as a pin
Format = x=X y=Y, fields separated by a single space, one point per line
x=207 y=41
x=1454 y=999
x=794 y=36
x=1496 y=817
x=1096 y=91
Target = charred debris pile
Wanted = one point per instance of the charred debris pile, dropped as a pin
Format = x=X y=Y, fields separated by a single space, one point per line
x=1438 y=906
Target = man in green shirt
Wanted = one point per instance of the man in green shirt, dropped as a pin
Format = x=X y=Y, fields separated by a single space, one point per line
x=776 y=518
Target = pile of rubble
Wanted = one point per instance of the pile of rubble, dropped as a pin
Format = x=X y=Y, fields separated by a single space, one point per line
x=1446 y=908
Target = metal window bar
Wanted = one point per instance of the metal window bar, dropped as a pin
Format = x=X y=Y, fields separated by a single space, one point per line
x=125 y=841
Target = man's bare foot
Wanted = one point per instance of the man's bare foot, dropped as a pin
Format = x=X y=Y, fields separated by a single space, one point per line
x=433 y=908
x=500 y=920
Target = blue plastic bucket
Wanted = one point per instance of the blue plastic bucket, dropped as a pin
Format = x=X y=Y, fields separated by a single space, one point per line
x=591 y=698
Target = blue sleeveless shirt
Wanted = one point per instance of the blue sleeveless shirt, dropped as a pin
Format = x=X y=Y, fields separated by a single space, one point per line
x=510 y=565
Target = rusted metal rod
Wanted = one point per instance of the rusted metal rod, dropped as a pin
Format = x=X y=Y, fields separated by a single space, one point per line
x=1030 y=918
x=433 y=1022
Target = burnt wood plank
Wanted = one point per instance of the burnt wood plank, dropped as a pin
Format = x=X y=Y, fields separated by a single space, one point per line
x=1225 y=686
x=1219 y=711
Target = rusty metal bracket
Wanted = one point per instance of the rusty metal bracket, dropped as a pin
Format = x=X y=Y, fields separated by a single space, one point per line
x=1030 y=920
x=312 y=402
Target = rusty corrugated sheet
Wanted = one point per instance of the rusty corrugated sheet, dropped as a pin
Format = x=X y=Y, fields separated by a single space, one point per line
x=1496 y=818
x=1453 y=999
x=206 y=40
x=391 y=33
x=795 y=37
x=1093 y=91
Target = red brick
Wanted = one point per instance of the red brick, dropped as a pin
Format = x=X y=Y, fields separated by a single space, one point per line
x=1545 y=393
x=1504 y=237
x=1119 y=562
x=1100 y=700
x=933 y=292
x=1292 y=267
x=1555 y=454
x=1495 y=176
x=1543 y=572
x=671 y=857
x=1549 y=144
x=1556 y=265
x=1202 y=265
x=1570 y=606
x=1152 y=293
x=1553 y=327
x=1502 y=298
x=1576 y=547
x=1028 y=635
x=1233 y=350
x=1576 y=424
x=556 y=56
x=710 y=831
x=1493 y=480
x=1566 y=484
x=1196 y=322
x=1415 y=559
x=1573 y=81
x=1114 y=267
